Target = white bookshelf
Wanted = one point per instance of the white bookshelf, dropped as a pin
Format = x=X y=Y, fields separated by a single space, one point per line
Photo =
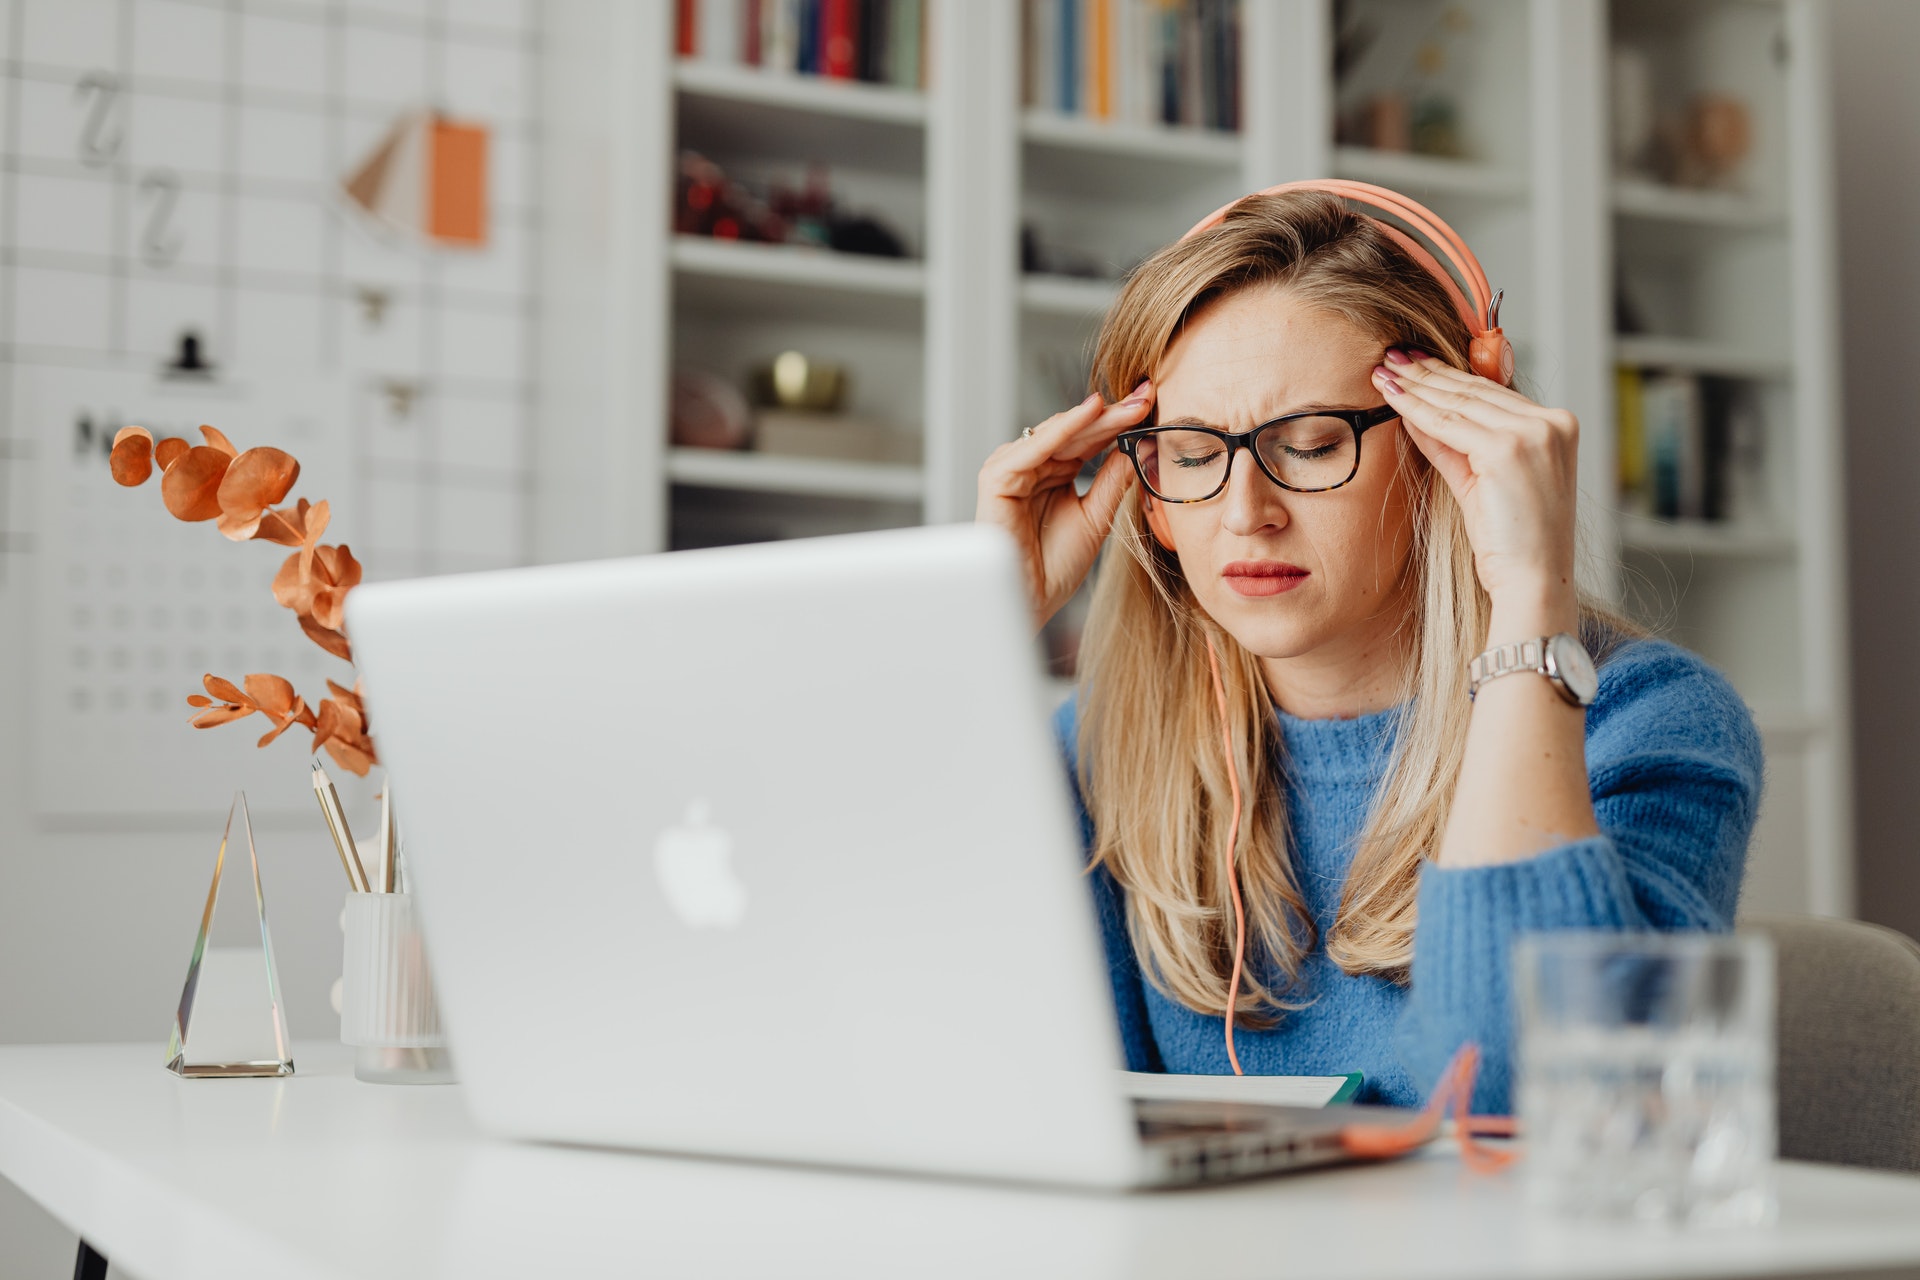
x=958 y=344
x=1736 y=283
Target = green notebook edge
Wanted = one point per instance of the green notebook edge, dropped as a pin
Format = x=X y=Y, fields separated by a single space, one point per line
x=1346 y=1092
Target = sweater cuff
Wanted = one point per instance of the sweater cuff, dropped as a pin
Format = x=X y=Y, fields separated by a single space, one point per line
x=1470 y=916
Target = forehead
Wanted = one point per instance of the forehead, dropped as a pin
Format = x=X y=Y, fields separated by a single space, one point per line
x=1257 y=353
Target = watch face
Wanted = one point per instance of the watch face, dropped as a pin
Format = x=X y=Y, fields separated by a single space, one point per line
x=1575 y=668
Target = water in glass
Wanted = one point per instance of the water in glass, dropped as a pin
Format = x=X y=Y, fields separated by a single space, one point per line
x=1646 y=1076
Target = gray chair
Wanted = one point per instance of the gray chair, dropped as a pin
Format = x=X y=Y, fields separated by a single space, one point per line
x=1849 y=1030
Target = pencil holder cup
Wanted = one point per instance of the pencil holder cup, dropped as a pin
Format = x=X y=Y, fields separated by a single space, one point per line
x=387 y=1009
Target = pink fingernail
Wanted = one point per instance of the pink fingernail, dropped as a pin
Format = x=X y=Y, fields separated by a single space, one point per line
x=1093 y=398
x=1385 y=379
x=1396 y=356
x=1139 y=393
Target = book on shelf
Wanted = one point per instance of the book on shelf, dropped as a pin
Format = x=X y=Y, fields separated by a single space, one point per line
x=1689 y=446
x=1140 y=62
x=796 y=433
x=876 y=41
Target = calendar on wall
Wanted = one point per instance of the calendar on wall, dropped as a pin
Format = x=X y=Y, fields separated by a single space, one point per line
x=131 y=607
x=178 y=246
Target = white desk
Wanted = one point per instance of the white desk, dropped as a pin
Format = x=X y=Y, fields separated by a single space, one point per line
x=321 y=1176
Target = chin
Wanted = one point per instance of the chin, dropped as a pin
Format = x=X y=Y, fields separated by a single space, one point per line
x=1269 y=629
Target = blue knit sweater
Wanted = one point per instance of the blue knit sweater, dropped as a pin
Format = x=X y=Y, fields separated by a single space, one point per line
x=1675 y=765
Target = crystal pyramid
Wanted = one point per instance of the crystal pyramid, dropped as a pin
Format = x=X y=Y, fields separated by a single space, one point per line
x=230 y=1021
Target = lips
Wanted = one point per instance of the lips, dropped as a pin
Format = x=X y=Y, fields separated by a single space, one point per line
x=1263 y=577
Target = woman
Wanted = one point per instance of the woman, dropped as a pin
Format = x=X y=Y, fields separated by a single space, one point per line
x=1343 y=573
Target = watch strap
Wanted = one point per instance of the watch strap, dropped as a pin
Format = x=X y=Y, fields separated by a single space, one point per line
x=1505 y=660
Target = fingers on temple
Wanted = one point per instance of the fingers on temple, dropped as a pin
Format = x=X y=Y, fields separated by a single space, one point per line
x=1453 y=415
x=1427 y=370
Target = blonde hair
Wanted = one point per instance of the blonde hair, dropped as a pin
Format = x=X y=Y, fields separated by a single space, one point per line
x=1150 y=755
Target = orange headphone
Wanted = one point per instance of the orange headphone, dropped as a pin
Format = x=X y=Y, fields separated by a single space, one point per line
x=1490 y=354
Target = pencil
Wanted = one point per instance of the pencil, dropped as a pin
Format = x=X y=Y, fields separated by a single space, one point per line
x=389 y=844
x=336 y=818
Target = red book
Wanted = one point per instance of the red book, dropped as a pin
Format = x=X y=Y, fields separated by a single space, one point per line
x=684 y=26
x=752 y=54
x=837 y=37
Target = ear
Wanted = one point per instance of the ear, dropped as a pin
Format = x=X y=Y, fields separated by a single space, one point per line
x=1156 y=515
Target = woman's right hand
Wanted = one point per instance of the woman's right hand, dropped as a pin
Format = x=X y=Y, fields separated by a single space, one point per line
x=1027 y=488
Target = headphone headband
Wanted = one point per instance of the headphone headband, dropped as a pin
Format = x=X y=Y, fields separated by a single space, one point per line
x=1478 y=305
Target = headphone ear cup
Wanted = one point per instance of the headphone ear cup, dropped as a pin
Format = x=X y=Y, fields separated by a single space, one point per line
x=1491 y=356
x=1156 y=514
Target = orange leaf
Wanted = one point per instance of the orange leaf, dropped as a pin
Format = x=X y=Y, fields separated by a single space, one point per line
x=332 y=641
x=318 y=516
x=220 y=715
x=272 y=694
x=296 y=714
x=257 y=479
x=224 y=690
x=340 y=720
x=219 y=441
x=170 y=451
x=330 y=602
x=351 y=756
x=132 y=456
x=199 y=700
x=275 y=526
x=191 y=487
x=291 y=588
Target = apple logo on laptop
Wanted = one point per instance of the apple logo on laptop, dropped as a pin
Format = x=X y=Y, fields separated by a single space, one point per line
x=695 y=864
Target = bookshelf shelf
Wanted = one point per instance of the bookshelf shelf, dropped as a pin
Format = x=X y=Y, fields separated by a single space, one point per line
x=771 y=473
x=1656 y=202
x=787 y=264
x=1173 y=144
x=1071 y=296
x=1704 y=538
x=1423 y=176
x=776 y=281
x=1688 y=355
x=791 y=91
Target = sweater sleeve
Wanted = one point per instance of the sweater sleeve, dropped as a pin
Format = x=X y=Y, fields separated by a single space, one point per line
x=1123 y=967
x=1675 y=765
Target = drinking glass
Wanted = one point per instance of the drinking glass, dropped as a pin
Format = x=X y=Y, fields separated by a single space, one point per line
x=1646 y=1075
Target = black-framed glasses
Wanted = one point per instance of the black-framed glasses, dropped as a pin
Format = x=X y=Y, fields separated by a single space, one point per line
x=1302 y=452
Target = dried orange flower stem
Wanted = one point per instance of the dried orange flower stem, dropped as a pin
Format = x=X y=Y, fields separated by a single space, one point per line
x=215 y=481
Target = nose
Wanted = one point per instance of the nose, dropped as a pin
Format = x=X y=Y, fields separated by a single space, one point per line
x=1254 y=504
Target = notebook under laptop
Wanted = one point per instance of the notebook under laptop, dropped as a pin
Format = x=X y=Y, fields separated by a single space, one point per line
x=767 y=852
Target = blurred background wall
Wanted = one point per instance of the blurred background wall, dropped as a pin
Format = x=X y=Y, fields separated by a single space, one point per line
x=1877 y=127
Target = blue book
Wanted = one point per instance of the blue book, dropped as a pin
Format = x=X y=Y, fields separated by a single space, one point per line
x=807 y=60
x=1069 y=56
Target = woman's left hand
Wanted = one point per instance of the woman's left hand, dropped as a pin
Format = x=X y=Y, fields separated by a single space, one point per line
x=1512 y=464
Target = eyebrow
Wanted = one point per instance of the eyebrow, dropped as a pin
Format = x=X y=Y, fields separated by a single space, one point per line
x=1317 y=406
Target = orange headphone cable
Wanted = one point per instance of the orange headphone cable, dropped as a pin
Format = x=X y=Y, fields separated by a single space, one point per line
x=1233 y=841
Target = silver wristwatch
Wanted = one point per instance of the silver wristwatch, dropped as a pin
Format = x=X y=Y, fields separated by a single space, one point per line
x=1562 y=659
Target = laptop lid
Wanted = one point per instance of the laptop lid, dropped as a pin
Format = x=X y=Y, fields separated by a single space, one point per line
x=761 y=851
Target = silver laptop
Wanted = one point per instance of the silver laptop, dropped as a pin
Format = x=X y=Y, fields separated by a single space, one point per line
x=767 y=852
